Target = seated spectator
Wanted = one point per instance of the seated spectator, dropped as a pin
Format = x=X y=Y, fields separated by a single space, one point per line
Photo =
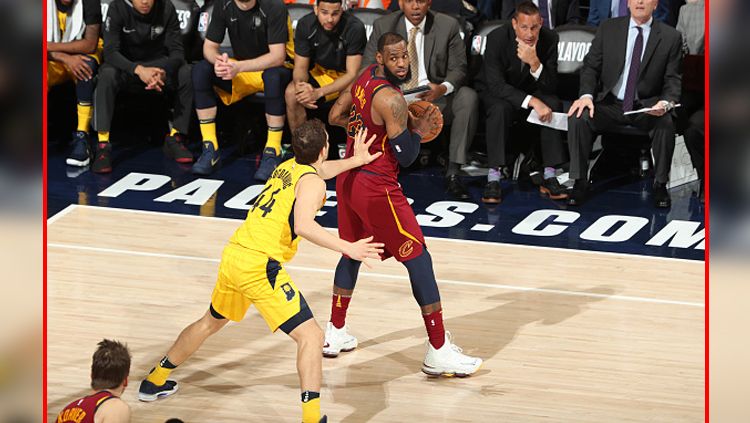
x=601 y=10
x=143 y=51
x=110 y=368
x=649 y=77
x=691 y=26
x=74 y=54
x=328 y=47
x=695 y=137
x=519 y=73
x=554 y=12
x=260 y=33
x=438 y=61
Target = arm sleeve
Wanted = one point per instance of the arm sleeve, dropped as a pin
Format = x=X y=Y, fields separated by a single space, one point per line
x=406 y=147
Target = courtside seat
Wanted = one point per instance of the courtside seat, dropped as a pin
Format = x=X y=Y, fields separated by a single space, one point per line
x=368 y=17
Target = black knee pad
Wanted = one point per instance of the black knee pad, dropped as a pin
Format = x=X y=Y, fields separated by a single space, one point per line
x=422 y=277
x=202 y=75
x=275 y=81
x=346 y=273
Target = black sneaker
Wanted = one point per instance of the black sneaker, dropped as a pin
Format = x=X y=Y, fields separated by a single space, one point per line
x=149 y=392
x=103 y=158
x=323 y=419
x=551 y=188
x=268 y=163
x=536 y=178
x=580 y=193
x=661 y=196
x=209 y=160
x=79 y=150
x=492 y=193
x=174 y=148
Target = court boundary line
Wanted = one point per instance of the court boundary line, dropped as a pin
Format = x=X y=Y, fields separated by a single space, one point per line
x=62 y=213
x=460 y=241
x=387 y=276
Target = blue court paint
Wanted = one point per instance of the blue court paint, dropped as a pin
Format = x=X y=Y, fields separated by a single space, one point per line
x=618 y=219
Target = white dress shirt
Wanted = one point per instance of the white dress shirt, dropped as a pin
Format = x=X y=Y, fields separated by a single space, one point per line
x=419 y=41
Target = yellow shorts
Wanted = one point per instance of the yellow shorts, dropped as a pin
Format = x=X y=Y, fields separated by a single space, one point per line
x=325 y=77
x=243 y=85
x=57 y=73
x=248 y=277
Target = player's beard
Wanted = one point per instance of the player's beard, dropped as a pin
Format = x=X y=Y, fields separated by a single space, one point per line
x=395 y=80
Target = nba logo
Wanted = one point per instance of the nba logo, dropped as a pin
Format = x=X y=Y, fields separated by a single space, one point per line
x=288 y=290
x=203 y=22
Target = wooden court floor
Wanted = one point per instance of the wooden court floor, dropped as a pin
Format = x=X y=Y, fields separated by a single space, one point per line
x=567 y=336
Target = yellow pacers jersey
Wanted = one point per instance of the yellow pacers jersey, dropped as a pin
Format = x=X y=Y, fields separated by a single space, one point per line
x=269 y=226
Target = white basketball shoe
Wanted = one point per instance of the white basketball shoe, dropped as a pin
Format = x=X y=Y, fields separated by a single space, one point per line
x=337 y=341
x=449 y=361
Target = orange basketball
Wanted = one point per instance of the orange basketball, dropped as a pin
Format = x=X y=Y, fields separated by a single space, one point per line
x=418 y=108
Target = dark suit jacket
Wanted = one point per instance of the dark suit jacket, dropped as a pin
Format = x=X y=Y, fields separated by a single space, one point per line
x=503 y=75
x=599 y=11
x=563 y=11
x=443 y=46
x=660 y=75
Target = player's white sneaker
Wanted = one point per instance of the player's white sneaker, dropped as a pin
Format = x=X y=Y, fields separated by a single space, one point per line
x=337 y=340
x=449 y=361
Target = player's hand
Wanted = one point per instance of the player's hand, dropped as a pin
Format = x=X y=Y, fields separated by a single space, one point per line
x=228 y=70
x=426 y=123
x=220 y=63
x=154 y=78
x=364 y=249
x=362 y=147
x=527 y=54
x=661 y=108
x=579 y=105
x=544 y=112
x=436 y=91
x=306 y=94
x=79 y=67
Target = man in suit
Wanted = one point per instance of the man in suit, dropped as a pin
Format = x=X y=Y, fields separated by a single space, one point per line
x=633 y=62
x=554 y=12
x=519 y=73
x=601 y=10
x=439 y=62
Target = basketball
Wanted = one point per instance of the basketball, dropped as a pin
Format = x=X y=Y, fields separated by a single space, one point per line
x=418 y=108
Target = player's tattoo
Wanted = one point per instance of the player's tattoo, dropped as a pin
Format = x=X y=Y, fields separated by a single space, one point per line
x=399 y=110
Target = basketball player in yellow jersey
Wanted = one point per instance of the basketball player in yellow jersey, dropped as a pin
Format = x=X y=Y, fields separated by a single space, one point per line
x=251 y=269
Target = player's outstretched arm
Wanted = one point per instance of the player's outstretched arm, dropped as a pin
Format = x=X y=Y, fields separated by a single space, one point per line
x=331 y=168
x=114 y=410
x=309 y=191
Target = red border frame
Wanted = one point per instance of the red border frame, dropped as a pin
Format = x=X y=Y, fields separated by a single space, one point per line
x=705 y=216
x=44 y=210
x=706 y=222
